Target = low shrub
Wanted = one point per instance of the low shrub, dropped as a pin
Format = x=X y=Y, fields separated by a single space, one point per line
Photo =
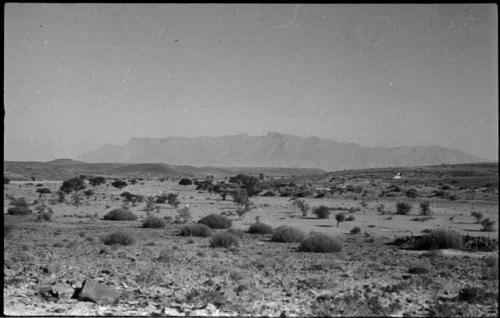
x=269 y=193
x=487 y=225
x=238 y=233
x=200 y=230
x=350 y=218
x=260 y=228
x=19 y=210
x=216 y=221
x=224 y=239
x=19 y=202
x=118 y=237
x=185 y=182
x=43 y=216
x=425 y=209
x=412 y=193
x=320 y=243
x=356 y=230
x=153 y=222
x=403 y=208
x=120 y=215
x=440 y=239
x=287 y=234
x=477 y=215
x=322 y=212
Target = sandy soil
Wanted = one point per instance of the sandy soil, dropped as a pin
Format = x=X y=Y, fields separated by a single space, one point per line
x=367 y=278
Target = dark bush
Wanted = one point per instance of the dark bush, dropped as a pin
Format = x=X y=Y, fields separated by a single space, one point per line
x=224 y=239
x=260 y=228
x=403 y=208
x=118 y=237
x=320 y=243
x=119 y=184
x=120 y=215
x=43 y=216
x=73 y=184
x=339 y=217
x=185 y=182
x=201 y=230
x=477 y=215
x=425 y=209
x=440 y=239
x=412 y=193
x=95 y=181
x=487 y=225
x=287 y=234
x=418 y=270
x=250 y=184
x=216 y=221
x=43 y=191
x=322 y=212
x=350 y=218
x=356 y=230
x=153 y=222
x=6 y=180
x=19 y=210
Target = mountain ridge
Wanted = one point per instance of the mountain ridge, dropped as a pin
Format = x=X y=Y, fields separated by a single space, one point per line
x=273 y=150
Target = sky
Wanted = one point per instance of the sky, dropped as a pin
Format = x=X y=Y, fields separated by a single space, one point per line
x=78 y=76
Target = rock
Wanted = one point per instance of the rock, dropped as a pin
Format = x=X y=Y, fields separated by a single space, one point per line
x=99 y=293
x=63 y=291
x=171 y=312
x=47 y=293
x=210 y=307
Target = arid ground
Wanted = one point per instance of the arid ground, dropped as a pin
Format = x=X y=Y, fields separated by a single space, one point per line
x=163 y=273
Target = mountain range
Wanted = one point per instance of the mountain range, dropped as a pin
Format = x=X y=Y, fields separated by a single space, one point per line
x=273 y=150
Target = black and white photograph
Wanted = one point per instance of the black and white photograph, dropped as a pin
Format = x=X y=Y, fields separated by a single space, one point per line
x=251 y=159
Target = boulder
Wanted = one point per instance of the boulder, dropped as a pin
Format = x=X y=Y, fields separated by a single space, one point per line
x=97 y=292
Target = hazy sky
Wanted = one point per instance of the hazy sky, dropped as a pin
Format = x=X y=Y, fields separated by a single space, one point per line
x=78 y=76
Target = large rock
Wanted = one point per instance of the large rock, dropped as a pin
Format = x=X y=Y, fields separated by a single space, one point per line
x=99 y=293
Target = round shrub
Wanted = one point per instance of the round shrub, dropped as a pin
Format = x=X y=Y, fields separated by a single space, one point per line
x=269 y=193
x=118 y=237
x=224 y=239
x=287 y=234
x=19 y=202
x=201 y=230
x=216 y=221
x=153 y=222
x=440 y=239
x=356 y=230
x=322 y=212
x=320 y=243
x=185 y=182
x=238 y=233
x=19 y=210
x=120 y=215
x=260 y=228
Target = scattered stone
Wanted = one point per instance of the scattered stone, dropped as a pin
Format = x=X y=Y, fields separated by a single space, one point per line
x=47 y=293
x=99 y=293
x=171 y=312
x=63 y=291
x=210 y=307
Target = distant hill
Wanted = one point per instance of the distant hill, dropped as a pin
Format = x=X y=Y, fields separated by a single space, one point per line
x=273 y=150
x=61 y=169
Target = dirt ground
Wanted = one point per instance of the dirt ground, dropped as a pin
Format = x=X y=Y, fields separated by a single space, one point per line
x=258 y=278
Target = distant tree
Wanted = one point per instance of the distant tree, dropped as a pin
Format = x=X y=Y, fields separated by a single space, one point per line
x=119 y=184
x=250 y=184
x=242 y=202
x=340 y=217
x=73 y=185
x=301 y=205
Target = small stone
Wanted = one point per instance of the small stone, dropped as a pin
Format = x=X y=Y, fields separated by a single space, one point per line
x=63 y=291
x=47 y=293
x=210 y=307
x=99 y=293
x=171 y=312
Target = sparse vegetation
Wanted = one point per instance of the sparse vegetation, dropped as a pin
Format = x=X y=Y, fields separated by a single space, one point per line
x=119 y=184
x=73 y=185
x=199 y=229
x=185 y=182
x=43 y=191
x=153 y=222
x=118 y=237
x=120 y=215
x=260 y=228
x=320 y=243
x=224 y=239
x=487 y=225
x=440 y=239
x=322 y=212
x=216 y=221
x=301 y=205
x=287 y=234
x=425 y=209
x=403 y=208
x=355 y=230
